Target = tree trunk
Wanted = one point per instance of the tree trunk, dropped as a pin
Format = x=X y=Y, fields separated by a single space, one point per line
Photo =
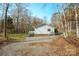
x=17 y=24
x=68 y=27
x=61 y=23
x=65 y=28
x=5 y=18
x=77 y=30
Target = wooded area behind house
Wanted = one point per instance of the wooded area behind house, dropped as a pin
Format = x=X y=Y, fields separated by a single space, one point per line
x=17 y=20
x=66 y=20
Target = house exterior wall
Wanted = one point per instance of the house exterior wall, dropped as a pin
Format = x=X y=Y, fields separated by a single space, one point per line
x=44 y=30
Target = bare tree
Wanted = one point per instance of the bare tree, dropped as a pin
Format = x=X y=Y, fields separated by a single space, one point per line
x=61 y=23
x=65 y=27
x=2 y=14
x=18 y=11
x=76 y=18
x=5 y=18
x=21 y=13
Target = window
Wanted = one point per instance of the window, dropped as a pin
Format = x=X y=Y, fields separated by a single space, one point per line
x=49 y=29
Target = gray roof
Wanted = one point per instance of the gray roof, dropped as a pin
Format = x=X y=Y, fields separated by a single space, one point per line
x=42 y=25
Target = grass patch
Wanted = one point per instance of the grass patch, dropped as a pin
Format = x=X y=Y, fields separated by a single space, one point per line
x=17 y=36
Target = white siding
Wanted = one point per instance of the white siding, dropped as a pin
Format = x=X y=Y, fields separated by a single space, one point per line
x=44 y=30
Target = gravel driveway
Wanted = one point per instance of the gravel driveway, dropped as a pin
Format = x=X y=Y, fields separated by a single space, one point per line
x=12 y=49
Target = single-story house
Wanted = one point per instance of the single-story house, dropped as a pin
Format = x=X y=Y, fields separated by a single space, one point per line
x=43 y=30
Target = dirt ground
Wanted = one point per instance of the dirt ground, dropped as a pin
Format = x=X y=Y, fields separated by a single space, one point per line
x=57 y=47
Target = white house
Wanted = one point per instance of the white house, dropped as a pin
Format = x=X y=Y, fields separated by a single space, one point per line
x=44 y=29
